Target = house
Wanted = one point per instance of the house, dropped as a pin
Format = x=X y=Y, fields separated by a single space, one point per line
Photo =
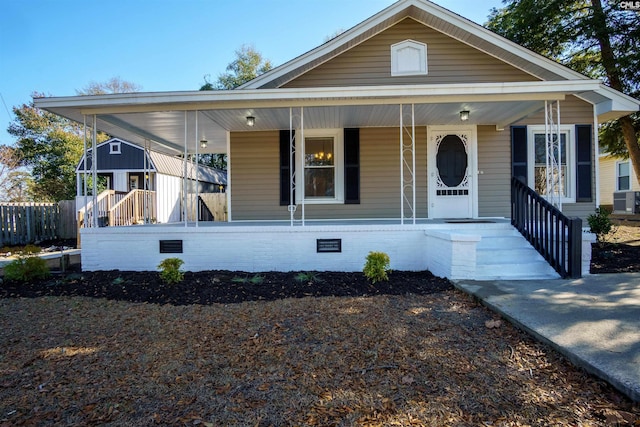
x=417 y=133
x=128 y=175
x=619 y=188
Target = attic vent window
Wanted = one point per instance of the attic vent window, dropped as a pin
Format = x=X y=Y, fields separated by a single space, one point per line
x=114 y=148
x=409 y=58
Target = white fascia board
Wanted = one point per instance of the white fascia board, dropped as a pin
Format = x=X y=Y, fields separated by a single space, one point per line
x=322 y=96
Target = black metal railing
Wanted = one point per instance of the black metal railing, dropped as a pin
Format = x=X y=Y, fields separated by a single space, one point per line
x=555 y=236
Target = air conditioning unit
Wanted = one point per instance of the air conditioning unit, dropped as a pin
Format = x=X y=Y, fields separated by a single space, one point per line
x=626 y=202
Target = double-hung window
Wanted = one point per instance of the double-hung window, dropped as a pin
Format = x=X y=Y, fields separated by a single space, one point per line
x=564 y=155
x=623 y=180
x=321 y=159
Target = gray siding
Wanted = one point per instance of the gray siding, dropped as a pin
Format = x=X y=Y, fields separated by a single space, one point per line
x=494 y=167
x=255 y=177
x=449 y=61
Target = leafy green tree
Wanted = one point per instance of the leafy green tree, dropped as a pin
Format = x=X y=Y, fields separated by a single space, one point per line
x=50 y=146
x=248 y=65
x=599 y=40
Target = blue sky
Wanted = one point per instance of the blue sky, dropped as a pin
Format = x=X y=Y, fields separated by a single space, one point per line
x=59 y=46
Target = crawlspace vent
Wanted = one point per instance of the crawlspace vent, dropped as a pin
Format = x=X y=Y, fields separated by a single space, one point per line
x=170 y=246
x=328 y=245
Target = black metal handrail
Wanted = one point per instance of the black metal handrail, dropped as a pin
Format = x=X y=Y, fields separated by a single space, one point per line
x=555 y=236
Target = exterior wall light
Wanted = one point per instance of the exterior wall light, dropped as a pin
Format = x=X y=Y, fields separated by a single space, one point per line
x=203 y=143
x=251 y=120
x=464 y=115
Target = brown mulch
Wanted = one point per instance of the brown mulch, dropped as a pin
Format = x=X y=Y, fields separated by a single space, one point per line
x=281 y=349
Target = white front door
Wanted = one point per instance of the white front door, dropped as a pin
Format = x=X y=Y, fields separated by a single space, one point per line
x=452 y=166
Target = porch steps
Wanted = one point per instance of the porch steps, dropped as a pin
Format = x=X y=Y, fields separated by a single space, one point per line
x=504 y=254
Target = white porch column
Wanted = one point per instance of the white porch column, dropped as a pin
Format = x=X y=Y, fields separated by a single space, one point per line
x=407 y=162
x=86 y=159
x=184 y=175
x=555 y=183
x=94 y=171
x=296 y=176
x=197 y=165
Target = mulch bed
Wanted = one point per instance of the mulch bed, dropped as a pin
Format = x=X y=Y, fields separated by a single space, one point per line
x=223 y=287
x=615 y=258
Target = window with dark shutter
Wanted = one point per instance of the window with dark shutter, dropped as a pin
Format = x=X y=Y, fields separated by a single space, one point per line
x=519 y=152
x=352 y=166
x=583 y=163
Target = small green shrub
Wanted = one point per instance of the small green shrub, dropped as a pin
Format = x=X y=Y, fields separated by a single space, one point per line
x=170 y=272
x=600 y=223
x=25 y=268
x=256 y=279
x=309 y=277
x=31 y=249
x=377 y=267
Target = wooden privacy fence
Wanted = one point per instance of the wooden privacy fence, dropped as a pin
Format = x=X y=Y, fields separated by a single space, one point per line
x=24 y=223
x=210 y=207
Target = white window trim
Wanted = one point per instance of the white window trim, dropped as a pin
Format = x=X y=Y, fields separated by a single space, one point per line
x=569 y=130
x=115 y=148
x=338 y=149
x=421 y=68
x=618 y=176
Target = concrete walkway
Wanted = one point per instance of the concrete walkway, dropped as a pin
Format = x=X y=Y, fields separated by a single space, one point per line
x=594 y=321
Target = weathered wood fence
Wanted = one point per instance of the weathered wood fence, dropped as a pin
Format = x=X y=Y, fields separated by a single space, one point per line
x=24 y=223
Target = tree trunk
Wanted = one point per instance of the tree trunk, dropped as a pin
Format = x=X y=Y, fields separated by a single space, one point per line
x=609 y=63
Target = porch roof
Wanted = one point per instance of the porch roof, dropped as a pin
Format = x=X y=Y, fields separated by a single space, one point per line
x=168 y=119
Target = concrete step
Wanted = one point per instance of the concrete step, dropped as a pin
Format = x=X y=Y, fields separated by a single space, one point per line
x=508 y=255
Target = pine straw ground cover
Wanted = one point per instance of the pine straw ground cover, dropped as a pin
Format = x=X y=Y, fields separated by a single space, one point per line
x=437 y=359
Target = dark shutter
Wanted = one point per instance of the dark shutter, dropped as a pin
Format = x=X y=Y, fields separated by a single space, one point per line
x=285 y=168
x=352 y=166
x=519 y=152
x=583 y=163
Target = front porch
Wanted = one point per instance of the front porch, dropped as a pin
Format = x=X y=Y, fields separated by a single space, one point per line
x=483 y=249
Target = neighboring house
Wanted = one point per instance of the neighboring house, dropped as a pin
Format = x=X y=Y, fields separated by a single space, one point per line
x=619 y=188
x=124 y=172
x=400 y=135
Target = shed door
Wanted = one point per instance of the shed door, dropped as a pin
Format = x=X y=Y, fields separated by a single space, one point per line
x=452 y=165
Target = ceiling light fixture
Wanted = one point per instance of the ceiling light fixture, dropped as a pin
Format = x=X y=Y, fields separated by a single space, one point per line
x=464 y=115
x=251 y=120
x=203 y=143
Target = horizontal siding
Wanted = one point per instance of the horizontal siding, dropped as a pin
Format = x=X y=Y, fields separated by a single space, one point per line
x=449 y=61
x=255 y=178
x=608 y=184
x=494 y=172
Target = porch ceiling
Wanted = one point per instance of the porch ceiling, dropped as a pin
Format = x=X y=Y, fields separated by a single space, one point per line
x=167 y=120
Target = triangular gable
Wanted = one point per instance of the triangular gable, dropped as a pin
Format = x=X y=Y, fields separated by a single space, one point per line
x=433 y=16
x=131 y=158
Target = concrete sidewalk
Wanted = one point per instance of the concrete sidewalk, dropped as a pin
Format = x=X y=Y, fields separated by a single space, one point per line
x=594 y=321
